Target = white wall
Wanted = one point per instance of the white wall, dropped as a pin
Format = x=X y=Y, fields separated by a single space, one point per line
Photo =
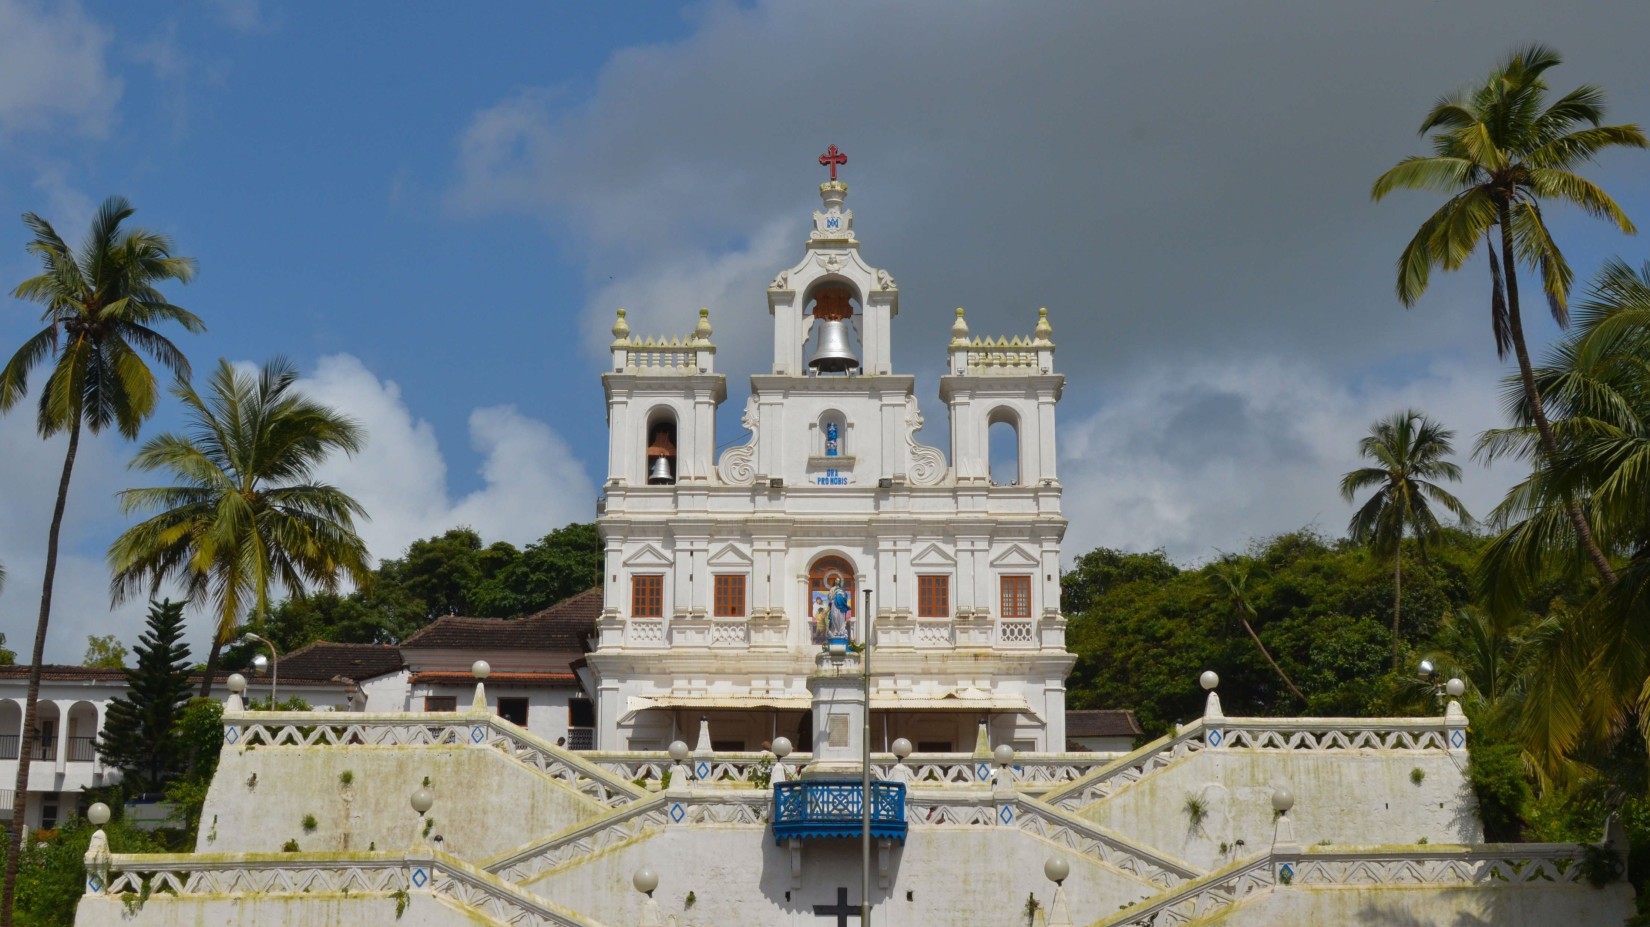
x=485 y=803
x=315 y=909
x=957 y=877
x=1342 y=797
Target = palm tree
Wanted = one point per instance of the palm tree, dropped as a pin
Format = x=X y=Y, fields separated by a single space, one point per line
x=1596 y=381
x=101 y=308
x=1409 y=451
x=246 y=513
x=1501 y=150
x=1230 y=577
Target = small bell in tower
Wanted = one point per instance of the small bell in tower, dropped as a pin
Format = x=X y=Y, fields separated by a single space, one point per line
x=835 y=351
x=661 y=460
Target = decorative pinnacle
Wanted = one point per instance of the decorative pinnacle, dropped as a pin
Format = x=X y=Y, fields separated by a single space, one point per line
x=702 y=331
x=621 y=328
x=959 y=329
x=1043 y=329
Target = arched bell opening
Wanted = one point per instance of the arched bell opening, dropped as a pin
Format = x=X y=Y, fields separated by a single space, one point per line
x=834 y=337
x=1003 y=447
x=661 y=448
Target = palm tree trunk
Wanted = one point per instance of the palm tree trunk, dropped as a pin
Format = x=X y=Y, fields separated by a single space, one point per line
x=1526 y=374
x=1265 y=653
x=211 y=665
x=25 y=746
x=1397 y=600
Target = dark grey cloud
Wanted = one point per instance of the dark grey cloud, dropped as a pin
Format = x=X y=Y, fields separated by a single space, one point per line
x=1185 y=186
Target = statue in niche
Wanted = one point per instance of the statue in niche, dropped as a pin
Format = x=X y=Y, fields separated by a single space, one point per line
x=833 y=614
x=833 y=437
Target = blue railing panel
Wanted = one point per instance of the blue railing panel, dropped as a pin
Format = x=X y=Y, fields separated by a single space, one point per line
x=833 y=808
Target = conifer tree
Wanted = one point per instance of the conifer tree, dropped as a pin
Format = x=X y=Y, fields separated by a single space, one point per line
x=140 y=736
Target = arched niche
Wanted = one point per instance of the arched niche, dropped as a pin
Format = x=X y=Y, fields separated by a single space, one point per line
x=828 y=573
x=831 y=435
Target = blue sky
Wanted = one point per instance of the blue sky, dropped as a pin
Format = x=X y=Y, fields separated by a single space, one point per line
x=434 y=211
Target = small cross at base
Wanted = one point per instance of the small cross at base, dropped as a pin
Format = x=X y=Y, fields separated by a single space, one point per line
x=842 y=910
x=832 y=158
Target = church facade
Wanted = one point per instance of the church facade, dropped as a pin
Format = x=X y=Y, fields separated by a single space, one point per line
x=726 y=573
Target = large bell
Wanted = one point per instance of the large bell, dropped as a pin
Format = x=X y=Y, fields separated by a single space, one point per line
x=658 y=472
x=835 y=353
x=661 y=459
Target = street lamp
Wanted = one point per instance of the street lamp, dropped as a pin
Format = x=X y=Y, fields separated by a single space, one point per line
x=865 y=774
x=258 y=662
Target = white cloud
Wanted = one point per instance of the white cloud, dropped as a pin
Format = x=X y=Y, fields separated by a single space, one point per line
x=241 y=15
x=1203 y=458
x=533 y=483
x=53 y=69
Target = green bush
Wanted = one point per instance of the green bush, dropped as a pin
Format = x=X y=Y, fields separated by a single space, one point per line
x=1496 y=772
x=51 y=875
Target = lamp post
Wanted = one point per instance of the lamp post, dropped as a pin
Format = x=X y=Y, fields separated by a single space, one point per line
x=274 y=663
x=865 y=773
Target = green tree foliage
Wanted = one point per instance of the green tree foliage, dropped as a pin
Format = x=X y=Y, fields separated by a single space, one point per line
x=7 y=657
x=247 y=513
x=455 y=572
x=1410 y=455
x=1501 y=150
x=53 y=873
x=138 y=736
x=1143 y=628
x=1592 y=674
x=102 y=306
x=104 y=651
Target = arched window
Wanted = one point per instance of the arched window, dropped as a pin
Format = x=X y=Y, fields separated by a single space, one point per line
x=1003 y=450
x=661 y=447
x=831 y=583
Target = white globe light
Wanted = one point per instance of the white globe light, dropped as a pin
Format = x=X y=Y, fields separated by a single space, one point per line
x=1427 y=669
x=781 y=747
x=1209 y=679
x=479 y=669
x=902 y=748
x=645 y=880
x=260 y=664
x=1004 y=754
x=679 y=751
x=1282 y=799
x=98 y=813
x=1057 y=869
x=422 y=801
x=1455 y=687
x=237 y=683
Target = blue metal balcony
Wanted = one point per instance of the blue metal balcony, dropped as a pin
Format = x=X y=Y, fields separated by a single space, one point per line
x=832 y=808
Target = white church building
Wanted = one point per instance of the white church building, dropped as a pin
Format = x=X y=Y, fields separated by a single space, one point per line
x=719 y=567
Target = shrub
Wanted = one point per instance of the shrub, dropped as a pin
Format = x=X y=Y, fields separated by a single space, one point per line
x=309 y=824
x=1496 y=772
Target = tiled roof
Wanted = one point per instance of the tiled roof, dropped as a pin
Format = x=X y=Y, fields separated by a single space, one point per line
x=561 y=628
x=1108 y=722
x=323 y=661
x=53 y=672
x=498 y=679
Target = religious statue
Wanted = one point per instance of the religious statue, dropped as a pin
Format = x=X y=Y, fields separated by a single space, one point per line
x=832 y=434
x=839 y=609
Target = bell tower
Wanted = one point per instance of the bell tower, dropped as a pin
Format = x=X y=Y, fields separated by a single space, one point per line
x=814 y=303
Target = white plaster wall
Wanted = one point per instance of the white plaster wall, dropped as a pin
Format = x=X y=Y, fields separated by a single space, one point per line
x=1542 y=904
x=957 y=877
x=485 y=803
x=318 y=909
x=1361 y=798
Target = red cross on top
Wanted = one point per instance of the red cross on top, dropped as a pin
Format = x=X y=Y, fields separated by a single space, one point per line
x=832 y=158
